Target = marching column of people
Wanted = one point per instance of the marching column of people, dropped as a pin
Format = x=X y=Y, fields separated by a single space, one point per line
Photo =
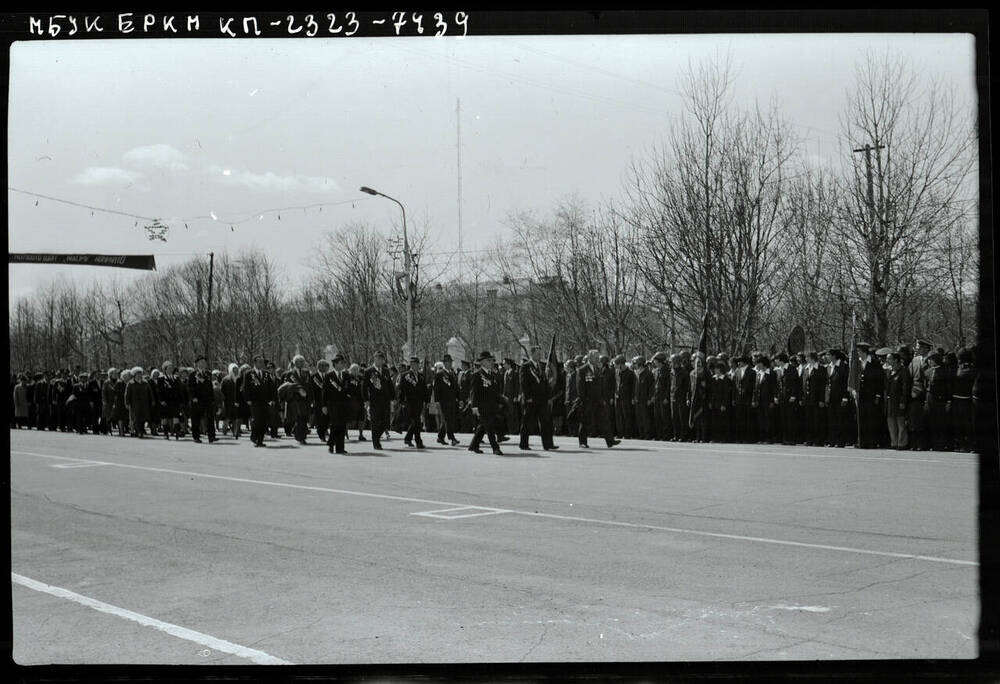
x=904 y=398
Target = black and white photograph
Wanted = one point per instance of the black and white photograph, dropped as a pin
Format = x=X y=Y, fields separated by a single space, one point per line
x=378 y=339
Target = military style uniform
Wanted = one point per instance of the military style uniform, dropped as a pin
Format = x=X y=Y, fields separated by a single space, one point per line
x=412 y=391
x=485 y=397
x=202 y=403
x=446 y=395
x=337 y=400
x=644 y=398
x=595 y=396
x=789 y=391
x=871 y=386
x=537 y=415
x=814 y=382
x=257 y=392
x=624 y=400
x=378 y=392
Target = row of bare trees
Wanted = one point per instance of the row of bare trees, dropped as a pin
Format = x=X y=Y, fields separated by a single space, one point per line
x=727 y=216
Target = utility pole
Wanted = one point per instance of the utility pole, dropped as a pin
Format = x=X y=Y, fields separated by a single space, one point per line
x=867 y=149
x=208 y=317
x=458 y=136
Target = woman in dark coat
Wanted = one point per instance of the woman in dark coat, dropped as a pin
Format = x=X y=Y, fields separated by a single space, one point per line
x=231 y=400
x=119 y=409
x=166 y=395
x=138 y=398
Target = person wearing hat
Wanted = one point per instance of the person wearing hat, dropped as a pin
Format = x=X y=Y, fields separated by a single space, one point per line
x=624 y=399
x=720 y=400
x=897 y=395
x=643 y=404
x=961 y=402
x=595 y=401
x=300 y=403
x=257 y=394
x=202 y=395
x=838 y=413
x=119 y=410
x=336 y=404
x=662 y=426
x=937 y=402
x=107 y=399
x=556 y=391
x=485 y=398
x=511 y=394
x=166 y=400
x=871 y=386
x=445 y=393
x=466 y=421
x=138 y=400
x=378 y=393
x=744 y=423
x=534 y=401
x=813 y=378
x=680 y=387
x=273 y=405
x=764 y=396
x=411 y=391
x=696 y=402
x=230 y=386
x=789 y=389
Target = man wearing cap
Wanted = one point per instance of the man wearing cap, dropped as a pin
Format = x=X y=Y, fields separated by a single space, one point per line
x=378 y=392
x=484 y=399
x=897 y=395
x=662 y=427
x=789 y=390
x=764 y=396
x=744 y=421
x=595 y=400
x=511 y=393
x=837 y=398
x=814 y=381
x=257 y=392
x=871 y=386
x=937 y=402
x=321 y=420
x=644 y=399
x=696 y=401
x=534 y=400
x=412 y=392
x=337 y=404
x=298 y=405
x=273 y=405
x=138 y=398
x=202 y=400
x=445 y=393
x=961 y=401
x=680 y=386
x=624 y=398
x=466 y=422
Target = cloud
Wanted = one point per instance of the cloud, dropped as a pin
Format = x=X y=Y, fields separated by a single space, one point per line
x=159 y=156
x=272 y=181
x=104 y=175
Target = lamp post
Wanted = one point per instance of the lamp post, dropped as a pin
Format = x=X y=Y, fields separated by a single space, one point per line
x=406 y=266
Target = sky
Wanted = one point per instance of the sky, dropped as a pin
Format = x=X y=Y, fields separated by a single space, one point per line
x=184 y=130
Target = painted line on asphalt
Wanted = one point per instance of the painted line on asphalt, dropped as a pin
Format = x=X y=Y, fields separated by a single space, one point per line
x=462 y=512
x=553 y=516
x=798 y=454
x=220 y=645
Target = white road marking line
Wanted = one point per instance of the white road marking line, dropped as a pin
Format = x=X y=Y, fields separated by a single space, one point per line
x=220 y=645
x=455 y=514
x=570 y=518
x=90 y=464
x=799 y=454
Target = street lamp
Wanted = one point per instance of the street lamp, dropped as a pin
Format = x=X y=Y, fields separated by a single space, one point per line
x=406 y=266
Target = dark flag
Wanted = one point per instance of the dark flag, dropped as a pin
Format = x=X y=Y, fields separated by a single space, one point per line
x=853 y=375
x=703 y=342
x=796 y=340
x=551 y=365
x=146 y=262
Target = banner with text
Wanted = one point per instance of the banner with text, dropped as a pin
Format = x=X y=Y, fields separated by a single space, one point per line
x=145 y=262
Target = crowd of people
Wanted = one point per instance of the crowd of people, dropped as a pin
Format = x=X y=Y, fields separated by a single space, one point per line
x=902 y=398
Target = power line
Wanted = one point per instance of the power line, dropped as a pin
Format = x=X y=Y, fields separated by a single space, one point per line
x=199 y=217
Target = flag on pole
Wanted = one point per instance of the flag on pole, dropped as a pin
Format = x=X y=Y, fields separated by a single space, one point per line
x=853 y=375
x=551 y=365
x=703 y=342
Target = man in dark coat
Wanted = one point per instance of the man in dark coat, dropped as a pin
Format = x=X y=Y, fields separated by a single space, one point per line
x=937 y=402
x=720 y=402
x=571 y=399
x=961 y=402
x=258 y=394
x=484 y=399
x=202 y=395
x=321 y=420
x=764 y=395
x=916 y=420
x=446 y=395
x=298 y=406
x=837 y=399
x=897 y=395
x=378 y=392
x=42 y=401
x=814 y=380
x=511 y=393
x=273 y=405
x=624 y=398
x=696 y=402
x=744 y=420
x=412 y=391
x=789 y=391
x=337 y=404
x=536 y=413
x=595 y=394
x=662 y=425
x=644 y=398
x=871 y=386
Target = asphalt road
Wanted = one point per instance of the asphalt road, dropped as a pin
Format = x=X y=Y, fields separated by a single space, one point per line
x=128 y=551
